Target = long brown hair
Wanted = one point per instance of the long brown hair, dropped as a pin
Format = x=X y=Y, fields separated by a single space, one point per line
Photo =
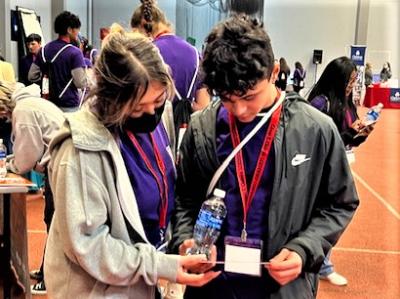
x=127 y=63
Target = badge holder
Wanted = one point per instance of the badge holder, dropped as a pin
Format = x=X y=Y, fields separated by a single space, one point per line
x=243 y=257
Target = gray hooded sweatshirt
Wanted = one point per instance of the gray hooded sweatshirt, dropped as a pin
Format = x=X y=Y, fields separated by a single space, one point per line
x=34 y=121
x=97 y=247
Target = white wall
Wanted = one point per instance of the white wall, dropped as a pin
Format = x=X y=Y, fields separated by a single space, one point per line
x=79 y=8
x=188 y=22
x=383 y=39
x=106 y=12
x=297 y=28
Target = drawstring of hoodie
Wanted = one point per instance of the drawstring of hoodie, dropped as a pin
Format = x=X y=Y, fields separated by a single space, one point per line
x=84 y=191
x=284 y=147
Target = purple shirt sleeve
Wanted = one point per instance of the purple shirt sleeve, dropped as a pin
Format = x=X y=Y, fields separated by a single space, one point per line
x=319 y=102
x=77 y=60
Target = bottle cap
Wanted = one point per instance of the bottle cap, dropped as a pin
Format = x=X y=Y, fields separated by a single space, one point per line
x=219 y=193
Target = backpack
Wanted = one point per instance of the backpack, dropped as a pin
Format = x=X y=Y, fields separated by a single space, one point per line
x=183 y=108
x=299 y=80
x=50 y=89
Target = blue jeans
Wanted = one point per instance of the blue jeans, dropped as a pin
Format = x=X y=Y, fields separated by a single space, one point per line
x=327 y=266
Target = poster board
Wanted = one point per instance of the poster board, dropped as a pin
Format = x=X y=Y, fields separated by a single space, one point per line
x=30 y=22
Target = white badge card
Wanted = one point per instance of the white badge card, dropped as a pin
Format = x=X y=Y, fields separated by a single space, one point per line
x=243 y=257
x=351 y=157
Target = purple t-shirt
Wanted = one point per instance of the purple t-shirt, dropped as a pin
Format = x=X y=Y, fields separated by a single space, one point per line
x=69 y=59
x=181 y=58
x=321 y=103
x=230 y=285
x=144 y=184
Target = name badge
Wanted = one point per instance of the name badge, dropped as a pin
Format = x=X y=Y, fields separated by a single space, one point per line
x=243 y=257
x=351 y=157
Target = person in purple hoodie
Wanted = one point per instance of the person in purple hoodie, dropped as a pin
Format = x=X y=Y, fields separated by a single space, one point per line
x=289 y=191
x=332 y=95
x=62 y=64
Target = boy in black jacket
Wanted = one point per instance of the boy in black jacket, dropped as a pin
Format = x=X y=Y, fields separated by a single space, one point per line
x=289 y=191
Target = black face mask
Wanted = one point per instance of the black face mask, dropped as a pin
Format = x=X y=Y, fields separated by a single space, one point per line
x=146 y=123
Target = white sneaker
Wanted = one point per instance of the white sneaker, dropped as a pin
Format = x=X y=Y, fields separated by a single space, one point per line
x=335 y=279
x=38 y=288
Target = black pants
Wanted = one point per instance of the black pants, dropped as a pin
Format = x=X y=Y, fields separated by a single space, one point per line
x=48 y=209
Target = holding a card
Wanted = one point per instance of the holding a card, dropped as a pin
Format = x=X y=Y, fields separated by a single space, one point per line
x=289 y=190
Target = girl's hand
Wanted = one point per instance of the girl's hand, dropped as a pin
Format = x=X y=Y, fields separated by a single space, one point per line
x=195 y=280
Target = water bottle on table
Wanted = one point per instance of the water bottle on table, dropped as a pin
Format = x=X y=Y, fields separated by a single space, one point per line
x=3 y=159
x=209 y=223
x=373 y=114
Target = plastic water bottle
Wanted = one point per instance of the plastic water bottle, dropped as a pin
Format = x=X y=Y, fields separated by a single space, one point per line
x=209 y=222
x=3 y=159
x=373 y=114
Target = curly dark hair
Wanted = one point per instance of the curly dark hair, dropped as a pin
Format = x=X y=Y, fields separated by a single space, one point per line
x=64 y=21
x=238 y=54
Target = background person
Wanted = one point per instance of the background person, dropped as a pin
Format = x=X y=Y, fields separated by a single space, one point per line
x=66 y=74
x=180 y=56
x=183 y=60
x=284 y=73
x=299 y=76
x=6 y=70
x=33 y=42
x=6 y=74
x=368 y=75
x=34 y=123
x=386 y=72
x=332 y=94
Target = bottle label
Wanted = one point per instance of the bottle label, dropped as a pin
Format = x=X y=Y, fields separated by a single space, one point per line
x=373 y=115
x=2 y=155
x=207 y=219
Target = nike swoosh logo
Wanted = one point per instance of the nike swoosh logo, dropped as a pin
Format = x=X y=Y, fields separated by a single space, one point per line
x=299 y=159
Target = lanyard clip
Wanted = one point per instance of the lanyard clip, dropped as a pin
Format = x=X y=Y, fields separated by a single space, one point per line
x=162 y=244
x=243 y=236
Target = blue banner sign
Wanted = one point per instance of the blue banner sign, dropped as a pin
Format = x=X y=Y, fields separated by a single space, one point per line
x=395 y=95
x=357 y=54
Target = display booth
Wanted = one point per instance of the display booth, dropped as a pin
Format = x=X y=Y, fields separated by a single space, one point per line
x=389 y=97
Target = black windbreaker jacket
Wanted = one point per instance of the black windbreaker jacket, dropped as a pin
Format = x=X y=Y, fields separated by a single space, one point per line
x=311 y=203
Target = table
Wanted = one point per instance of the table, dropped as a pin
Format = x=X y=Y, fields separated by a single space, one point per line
x=389 y=97
x=14 y=271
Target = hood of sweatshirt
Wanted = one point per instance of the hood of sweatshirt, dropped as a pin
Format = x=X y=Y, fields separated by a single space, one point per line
x=22 y=92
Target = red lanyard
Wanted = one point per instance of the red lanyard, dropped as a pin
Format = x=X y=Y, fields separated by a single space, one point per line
x=162 y=186
x=248 y=196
